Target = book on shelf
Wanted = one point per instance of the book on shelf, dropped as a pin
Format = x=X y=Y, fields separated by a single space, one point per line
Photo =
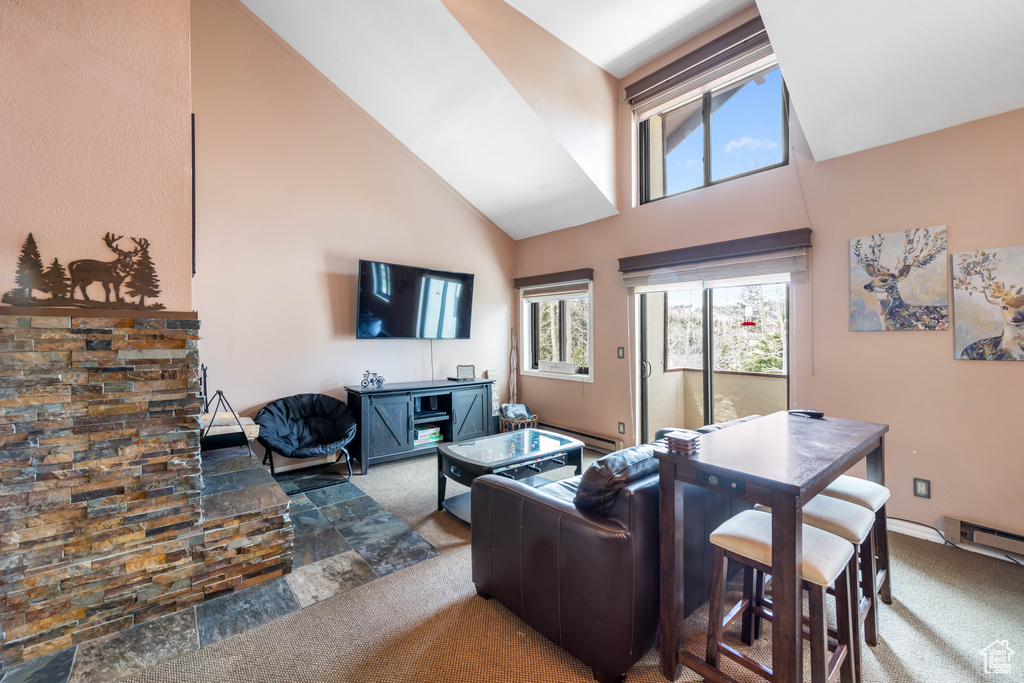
x=427 y=430
x=429 y=439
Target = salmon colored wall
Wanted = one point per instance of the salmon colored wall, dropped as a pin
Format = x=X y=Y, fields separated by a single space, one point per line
x=94 y=120
x=294 y=185
x=951 y=421
x=575 y=98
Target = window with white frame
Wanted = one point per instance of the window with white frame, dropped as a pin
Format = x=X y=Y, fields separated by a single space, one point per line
x=556 y=321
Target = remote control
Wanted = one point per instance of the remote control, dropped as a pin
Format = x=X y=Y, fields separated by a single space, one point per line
x=814 y=414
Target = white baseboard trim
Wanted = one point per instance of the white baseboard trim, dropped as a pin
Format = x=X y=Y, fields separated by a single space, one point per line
x=915 y=530
x=926 y=533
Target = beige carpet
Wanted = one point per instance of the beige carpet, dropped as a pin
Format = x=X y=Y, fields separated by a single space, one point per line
x=427 y=624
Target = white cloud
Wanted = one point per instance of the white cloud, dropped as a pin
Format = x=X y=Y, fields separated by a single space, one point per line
x=745 y=141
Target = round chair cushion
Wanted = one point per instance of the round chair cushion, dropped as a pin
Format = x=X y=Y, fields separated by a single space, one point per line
x=305 y=425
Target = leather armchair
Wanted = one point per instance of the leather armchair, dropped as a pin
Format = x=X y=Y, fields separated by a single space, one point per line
x=587 y=582
x=582 y=566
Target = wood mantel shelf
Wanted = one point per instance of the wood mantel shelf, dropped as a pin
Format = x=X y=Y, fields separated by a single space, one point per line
x=70 y=311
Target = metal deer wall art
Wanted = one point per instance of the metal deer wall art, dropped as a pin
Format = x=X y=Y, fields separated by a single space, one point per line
x=898 y=281
x=989 y=326
x=54 y=286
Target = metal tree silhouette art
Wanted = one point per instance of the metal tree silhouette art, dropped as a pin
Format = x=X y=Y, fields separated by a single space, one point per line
x=30 y=268
x=143 y=281
x=55 y=281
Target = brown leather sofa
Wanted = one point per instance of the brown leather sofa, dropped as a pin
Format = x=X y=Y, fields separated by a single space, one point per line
x=577 y=559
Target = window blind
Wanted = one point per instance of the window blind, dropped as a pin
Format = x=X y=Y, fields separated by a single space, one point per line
x=565 y=276
x=559 y=291
x=765 y=259
x=550 y=286
x=745 y=46
x=789 y=265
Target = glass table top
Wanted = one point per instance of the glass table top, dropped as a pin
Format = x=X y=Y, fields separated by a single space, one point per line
x=510 y=446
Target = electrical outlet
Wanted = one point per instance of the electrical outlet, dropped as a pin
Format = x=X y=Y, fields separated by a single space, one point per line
x=622 y=428
x=922 y=488
x=622 y=352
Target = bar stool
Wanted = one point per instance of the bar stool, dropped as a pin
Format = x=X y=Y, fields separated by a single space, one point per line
x=854 y=524
x=747 y=539
x=872 y=496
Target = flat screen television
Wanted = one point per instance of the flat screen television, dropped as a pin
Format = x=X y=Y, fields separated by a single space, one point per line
x=406 y=302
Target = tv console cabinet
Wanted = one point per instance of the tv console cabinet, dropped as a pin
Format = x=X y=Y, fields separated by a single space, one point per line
x=388 y=416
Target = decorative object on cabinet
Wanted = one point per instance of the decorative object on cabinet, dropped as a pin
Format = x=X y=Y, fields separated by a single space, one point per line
x=898 y=281
x=372 y=379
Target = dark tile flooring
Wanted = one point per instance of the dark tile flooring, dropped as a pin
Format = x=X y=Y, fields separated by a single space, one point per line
x=343 y=539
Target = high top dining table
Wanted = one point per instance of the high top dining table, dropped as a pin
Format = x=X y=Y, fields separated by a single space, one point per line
x=781 y=460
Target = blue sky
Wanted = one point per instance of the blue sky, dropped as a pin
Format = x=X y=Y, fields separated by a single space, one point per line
x=746 y=133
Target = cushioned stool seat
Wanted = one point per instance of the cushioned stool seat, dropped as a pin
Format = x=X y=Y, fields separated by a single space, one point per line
x=749 y=534
x=854 y=524
x=865 y=493
x=846 y=520
x=825 y=560
x=873 y=497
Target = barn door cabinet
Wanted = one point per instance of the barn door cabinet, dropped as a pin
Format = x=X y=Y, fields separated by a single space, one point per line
x=387 y=416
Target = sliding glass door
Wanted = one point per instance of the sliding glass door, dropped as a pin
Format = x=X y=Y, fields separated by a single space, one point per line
x=712 y=355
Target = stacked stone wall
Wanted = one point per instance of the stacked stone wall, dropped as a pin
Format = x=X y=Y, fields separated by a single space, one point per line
x=100 y=483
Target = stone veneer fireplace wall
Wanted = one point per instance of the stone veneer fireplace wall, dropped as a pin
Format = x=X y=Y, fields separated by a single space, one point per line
x=100 y=486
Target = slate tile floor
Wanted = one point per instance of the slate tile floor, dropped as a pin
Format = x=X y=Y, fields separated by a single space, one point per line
x=343 y=539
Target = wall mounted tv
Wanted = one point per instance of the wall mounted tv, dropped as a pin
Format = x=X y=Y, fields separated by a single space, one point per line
x=406 y=302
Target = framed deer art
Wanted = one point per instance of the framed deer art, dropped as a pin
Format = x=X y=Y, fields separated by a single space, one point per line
x=898 y=281
x=988 y=304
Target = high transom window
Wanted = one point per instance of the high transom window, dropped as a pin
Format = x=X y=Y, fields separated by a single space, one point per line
x=716 y=113
x=735 y=129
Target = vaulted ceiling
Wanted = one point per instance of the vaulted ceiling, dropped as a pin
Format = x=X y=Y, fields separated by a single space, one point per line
x=413 y=68
x=860 y=75
x=868 y=73
x=620 y=37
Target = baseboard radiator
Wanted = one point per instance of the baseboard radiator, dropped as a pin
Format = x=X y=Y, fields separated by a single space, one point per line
x=592 y=441
x=958 y=531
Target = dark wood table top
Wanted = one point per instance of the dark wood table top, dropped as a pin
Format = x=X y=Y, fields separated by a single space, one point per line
x=783 y=452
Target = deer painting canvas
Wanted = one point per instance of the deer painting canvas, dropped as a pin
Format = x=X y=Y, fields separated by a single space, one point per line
x=898 y=281
x=988 y=304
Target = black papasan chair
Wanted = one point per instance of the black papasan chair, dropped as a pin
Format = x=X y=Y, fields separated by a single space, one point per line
x=306 y=426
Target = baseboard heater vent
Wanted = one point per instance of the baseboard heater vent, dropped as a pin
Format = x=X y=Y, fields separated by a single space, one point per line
x=592 y=441
x=959 y=531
